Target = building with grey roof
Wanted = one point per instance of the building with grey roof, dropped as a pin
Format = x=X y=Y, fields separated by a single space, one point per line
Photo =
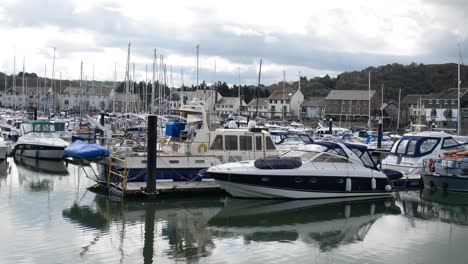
x=351 y=103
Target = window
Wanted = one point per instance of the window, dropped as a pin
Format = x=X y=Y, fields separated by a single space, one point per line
x=282 y=101
x=402 y=146
x=230 y=142
x=245 y=142
x=358 y=110
x=271 y=101
x=428 y=145
x=330 y=158
x=217 y=143
x=335 y=101
x=269 y=144
x=449 y=142
x=411 y=147
x=285 y=109
x=258 y=142
x=276 y=101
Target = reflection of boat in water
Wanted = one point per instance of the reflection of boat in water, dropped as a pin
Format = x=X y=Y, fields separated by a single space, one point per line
x=446 y=207
x=180 y=222
x=30 y=165
x=328 y=222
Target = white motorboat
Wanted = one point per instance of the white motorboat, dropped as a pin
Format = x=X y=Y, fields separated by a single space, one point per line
x=193 y=143
x=409 y=152
x=39 y=140
x=318 y=170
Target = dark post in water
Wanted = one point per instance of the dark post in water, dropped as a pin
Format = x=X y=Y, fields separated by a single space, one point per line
x=380 y=134
x=330 y=129
x=151 y=155
x=102 y=124
x=35 y=113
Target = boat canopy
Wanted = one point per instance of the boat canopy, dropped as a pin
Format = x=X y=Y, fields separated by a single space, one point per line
x=418 y=146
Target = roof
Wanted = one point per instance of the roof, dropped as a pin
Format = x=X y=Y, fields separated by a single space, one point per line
x=450 y=93
x=349 y=95
x=412 y=99
x=313 y=101
x=229 y=101
x=261 y=102
x=279 y=95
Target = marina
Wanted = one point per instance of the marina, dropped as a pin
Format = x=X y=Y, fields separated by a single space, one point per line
x=233 y=132
x=51 y=217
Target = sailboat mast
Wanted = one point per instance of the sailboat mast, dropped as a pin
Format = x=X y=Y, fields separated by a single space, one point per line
x=459 y=93
x=198 y=50
x=153 y=86
x=52 y=81
x=115 y=87
x=369 y=104
x=127 y=78
x=382 y=106
x=258 y=87
x=239 y=92
x=299 y=105
x=23 y=87
x=398 y=116
x=282 y=97
x=14 y=79
x=145 y=97
x=81 y=91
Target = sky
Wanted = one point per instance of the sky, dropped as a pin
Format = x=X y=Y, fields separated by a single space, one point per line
x=312 y=37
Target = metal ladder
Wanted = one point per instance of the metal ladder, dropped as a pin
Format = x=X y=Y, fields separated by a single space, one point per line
x=122 y=176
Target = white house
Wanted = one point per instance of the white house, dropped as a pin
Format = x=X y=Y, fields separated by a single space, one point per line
x=285 y=105
x=229 y=105
x=262 y=107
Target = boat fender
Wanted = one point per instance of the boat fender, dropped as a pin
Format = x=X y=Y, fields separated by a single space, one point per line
x=388 y=188
x=373 y=183
x=372 y=209
x=202 y=146
x=348 y=185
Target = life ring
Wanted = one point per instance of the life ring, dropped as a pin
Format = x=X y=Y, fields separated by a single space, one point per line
x=205 y=148
x=163 y=142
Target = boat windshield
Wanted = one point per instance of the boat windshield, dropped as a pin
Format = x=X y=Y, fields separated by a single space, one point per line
x=304 y=155
x=365 y=158
x=46 y=127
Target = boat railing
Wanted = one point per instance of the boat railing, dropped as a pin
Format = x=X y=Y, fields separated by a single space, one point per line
x=122 y=176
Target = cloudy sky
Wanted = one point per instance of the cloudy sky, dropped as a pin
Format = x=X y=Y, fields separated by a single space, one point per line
x=314 y=37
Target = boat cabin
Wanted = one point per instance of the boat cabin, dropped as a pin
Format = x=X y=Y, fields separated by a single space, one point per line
x=420 y=145
x=37 y=126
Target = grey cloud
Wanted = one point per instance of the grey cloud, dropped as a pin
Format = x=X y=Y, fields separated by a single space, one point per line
x=112 y=29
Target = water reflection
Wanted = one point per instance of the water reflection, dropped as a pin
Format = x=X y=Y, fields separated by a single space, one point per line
x=326 y=222
x=30 y=166
x=179 y=223
x=4 y=167
x=36 y=173
x=447 y=207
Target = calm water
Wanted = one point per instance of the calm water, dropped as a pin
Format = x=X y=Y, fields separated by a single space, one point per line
x=48 y=216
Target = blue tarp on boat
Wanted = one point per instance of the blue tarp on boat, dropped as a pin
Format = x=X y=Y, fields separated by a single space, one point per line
x=81 y=149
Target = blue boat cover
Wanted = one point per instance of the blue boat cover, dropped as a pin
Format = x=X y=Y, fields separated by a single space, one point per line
x=81 y=149
x=173 y=129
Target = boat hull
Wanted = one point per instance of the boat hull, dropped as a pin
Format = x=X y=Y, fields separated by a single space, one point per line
x=173 y=174
x=449 y=183
x=298 y=187
x=38 y=151
x=250 y=191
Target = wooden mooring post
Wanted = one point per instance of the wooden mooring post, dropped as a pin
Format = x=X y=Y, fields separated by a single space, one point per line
x=151 y=154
